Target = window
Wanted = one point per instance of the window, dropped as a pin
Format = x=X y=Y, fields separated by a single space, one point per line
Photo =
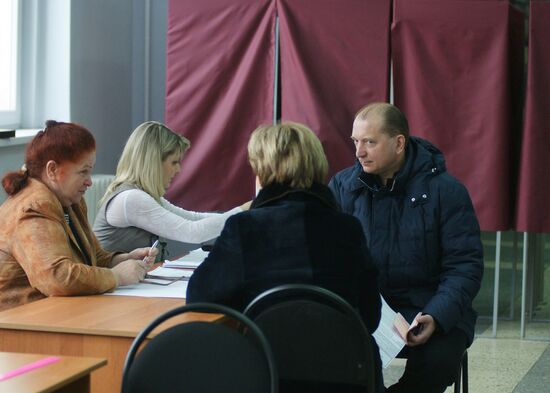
x=9 y=28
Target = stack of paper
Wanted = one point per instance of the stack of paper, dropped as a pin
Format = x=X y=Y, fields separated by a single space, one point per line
x=177 y=289
x=170 y=280
x=164 y=273
x=165 y=276
x=189 y=261
x=170 y=274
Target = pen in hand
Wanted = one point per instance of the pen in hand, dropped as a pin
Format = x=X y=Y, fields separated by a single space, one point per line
x=150 y=252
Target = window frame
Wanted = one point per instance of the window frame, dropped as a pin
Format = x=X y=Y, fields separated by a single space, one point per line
x=12 y=118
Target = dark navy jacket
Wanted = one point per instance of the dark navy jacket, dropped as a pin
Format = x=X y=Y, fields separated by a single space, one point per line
x=422 y=233
x=289 y=236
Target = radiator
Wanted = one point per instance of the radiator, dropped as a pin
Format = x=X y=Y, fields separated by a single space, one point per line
x=94 y=194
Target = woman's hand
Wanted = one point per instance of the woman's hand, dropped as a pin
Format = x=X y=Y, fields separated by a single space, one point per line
x=130 y=272
x=145 y=254
x=149 y=254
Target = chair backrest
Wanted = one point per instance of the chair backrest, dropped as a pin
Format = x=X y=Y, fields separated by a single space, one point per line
x=319 y=341
x=201 y=356
x=100 y=183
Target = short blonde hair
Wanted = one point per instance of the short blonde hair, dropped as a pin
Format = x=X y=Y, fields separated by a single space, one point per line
x=287 y=153
x=141 y=161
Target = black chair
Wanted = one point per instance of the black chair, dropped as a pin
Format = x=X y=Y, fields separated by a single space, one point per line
x=201 y=356
x=319 y=341
x=462 y=372
x=461 y=378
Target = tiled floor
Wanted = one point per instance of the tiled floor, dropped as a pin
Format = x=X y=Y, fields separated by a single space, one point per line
x=504 y=364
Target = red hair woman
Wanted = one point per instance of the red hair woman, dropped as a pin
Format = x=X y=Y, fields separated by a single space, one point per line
x=47 y=247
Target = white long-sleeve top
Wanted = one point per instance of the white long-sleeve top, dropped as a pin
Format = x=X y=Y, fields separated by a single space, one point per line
x=139 y=209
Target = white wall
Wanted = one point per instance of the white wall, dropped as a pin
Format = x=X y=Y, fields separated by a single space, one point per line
x=84 y=61
x=101 y=74
x=107 y=70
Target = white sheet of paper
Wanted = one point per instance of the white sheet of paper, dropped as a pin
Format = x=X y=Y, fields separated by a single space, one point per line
x=169 y=272
x=177 y=289
x=179 y=264
x=189 y=261
x=388 y=339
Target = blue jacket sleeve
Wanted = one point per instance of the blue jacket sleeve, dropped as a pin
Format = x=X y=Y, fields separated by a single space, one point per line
x=461 y=254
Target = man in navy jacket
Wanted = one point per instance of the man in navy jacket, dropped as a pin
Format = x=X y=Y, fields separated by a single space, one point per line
x=424 y=237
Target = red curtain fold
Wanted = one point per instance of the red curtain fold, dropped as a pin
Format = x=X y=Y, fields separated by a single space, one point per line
x=452 y=79
x=219 y=87
x=334 y=59
x=534 y=179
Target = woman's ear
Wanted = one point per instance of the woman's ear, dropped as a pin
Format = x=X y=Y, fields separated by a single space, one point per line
x=52 y=170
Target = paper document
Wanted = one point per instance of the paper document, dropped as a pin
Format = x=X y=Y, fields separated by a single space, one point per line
x=177 y=289
x=391 y=335
x=169 y=273
x=166 y=276
x=162 y=281
x=189 y=261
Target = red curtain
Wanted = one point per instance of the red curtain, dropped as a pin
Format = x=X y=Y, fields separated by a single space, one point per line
x=453 y=80
x=534 y=180
x=334 y=60
x=219 y=87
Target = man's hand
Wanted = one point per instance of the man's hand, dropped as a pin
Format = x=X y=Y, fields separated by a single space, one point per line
x=422 y=332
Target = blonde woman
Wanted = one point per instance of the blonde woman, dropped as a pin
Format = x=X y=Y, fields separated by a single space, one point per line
x=133 y=211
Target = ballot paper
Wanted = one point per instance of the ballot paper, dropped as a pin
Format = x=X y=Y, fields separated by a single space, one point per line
x=391 y=335
x=177 y=289
x=188 y=261
x=167 y=276
x=169 y=273
x=159 y=282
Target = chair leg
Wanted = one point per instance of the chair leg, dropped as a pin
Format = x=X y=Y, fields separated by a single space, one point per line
x=462 y=372
x=465 y=373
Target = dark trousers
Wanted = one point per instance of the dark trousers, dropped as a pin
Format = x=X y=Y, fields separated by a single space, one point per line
x=433 y=366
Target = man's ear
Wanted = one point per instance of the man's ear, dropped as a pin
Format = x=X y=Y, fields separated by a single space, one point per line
x=52 y=170
x=400 y=143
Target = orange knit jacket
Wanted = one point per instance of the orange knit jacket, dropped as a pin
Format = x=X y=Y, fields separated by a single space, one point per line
x=39 y=255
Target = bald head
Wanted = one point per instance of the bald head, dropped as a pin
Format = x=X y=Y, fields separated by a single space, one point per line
x=388 y=117
x=380 y=133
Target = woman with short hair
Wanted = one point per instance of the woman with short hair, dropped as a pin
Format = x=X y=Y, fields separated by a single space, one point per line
x=293 y=233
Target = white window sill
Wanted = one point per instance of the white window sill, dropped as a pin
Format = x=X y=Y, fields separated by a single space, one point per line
x=22 y=137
